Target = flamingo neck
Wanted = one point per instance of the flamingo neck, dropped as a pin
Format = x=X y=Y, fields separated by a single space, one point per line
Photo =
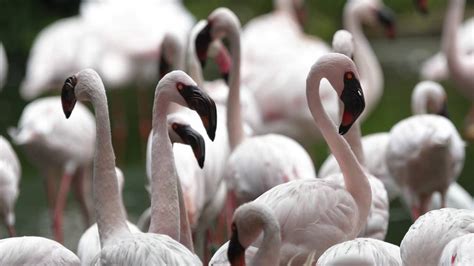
x=185 y=229
x=193 y=66
x=355 y=179
x=371 y=76
x=459 y=68
x=111 y=217
x=164 y=195
x=234 y=117
x=269 y=250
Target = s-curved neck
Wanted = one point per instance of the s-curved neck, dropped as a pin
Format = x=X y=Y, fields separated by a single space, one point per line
x=371 y=76
x=111 y=217
x=234 y=117
x=355 y=179
x=269 y=250
x=459 y=67
x=165 y=218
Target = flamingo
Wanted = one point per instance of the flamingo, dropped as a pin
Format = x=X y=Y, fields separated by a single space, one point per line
x=377 y=221
x=458 y=251
x=249 y=221
x=10 y=174
x=257 y=163
x=89 y=243
x=58 y=148
x=33 y=250
x=424 y=154
x=314 y=214
x=424 y=242
x=272 y=68
x=3 y=66
x=460 y=66
x=374 y=251
x=160 y=245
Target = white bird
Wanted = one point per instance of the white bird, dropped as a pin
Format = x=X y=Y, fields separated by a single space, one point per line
x=257 y=163
x=436 y=67
x=32 y=250
x=425 y=153
x=3 y=66
x=376 y=252
x=377 y=221
x=89 y=243
x=249 y=221
x=458 y=251
x=315 y=214
x=119 y=245
x=427 y=237
x=10 y=175
x=460 y=66
x=59 y=148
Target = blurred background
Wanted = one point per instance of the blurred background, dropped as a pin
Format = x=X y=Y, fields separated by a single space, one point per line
x=418 y=37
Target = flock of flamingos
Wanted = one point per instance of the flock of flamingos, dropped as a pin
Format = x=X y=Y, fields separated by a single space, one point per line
x=228 y=153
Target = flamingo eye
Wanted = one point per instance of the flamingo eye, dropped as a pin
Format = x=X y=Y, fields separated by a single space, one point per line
x=233 y=227
x=180 y=86
x=174 y=125
x=348 y=75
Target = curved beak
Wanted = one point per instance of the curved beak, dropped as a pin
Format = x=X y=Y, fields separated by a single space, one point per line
x=422 y=6
x=235 y=250
x=199 y=101
x=224 y=62
x=202 y=43
x=354 y=103
x=68 y=98
x=192 y=138
x=387 y=19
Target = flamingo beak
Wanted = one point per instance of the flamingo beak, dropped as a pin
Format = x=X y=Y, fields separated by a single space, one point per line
x=192 y=138
x=235 y=250
x=68 y=98
x=422 y=6
x=387 y=19
x=354 y=103
x=203 y=40
x=199 y=101
x=444 y=110
x=224 y=62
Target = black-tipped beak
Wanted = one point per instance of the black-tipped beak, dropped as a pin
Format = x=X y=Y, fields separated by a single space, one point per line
x=199 y=101
x=68 y=98
x=164 y=67
x=203 y=40
x=444 y=110
x=387 y=19
x=354 y=103
x=192 y=138
x=422 y=6
x=235 y=250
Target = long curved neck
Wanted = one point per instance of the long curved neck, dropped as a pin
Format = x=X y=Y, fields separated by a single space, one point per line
x=234 y=117
x=355 y=180
x=184 y=227
x=371 y=76
x=107 y=201
x=269 y=250
x=164 y=195
x=458 y=67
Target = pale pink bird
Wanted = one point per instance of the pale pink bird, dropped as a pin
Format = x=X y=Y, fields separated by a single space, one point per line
x=257 y=163
x=458 y=251
x=160 y=245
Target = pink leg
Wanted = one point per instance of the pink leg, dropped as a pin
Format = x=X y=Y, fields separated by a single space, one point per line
x=59 y=208
x=50 y=187
x=11 y=230
x=78 y=184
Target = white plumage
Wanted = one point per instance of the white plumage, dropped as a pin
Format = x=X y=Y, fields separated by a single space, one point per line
x=32 y=250
x=458 y=251
x=10 y=175
x=425 y=240
x=373 y=251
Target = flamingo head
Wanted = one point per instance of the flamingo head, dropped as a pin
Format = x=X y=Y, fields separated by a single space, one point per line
x=372 y=12
x=387 y=19
x=235 y=251
x=422 y=6
x=181 y=89
x=68 y=96
x=182 y=132
x=352 y=97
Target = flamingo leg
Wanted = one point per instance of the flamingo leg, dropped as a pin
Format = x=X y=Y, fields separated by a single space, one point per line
x=60 y=205
x=144 y=118
x=11 y=230
x=78 y=184
x=50 y=187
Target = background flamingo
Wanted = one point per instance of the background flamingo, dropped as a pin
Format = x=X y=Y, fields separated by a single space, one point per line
x=10 y=175
x=3 y=66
